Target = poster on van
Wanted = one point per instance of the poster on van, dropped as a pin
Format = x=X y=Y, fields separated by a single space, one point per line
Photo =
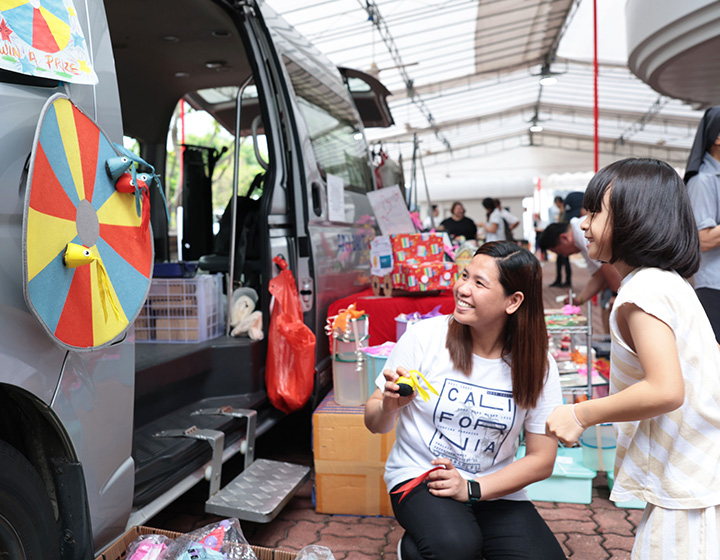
x=43 y=38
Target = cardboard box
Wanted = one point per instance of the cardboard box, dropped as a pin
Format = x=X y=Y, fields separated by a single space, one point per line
x=116 y=551
x=349 y=462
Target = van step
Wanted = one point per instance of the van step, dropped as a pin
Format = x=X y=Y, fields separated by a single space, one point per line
x=259 y=492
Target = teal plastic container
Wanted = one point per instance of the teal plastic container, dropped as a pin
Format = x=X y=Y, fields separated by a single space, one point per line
x=598 y=447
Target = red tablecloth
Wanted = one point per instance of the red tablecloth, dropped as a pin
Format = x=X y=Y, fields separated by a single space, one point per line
x=383 y=310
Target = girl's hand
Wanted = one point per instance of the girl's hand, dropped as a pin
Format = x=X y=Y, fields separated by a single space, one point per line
x=447 y=482
x=562 y=424
x=391 y=398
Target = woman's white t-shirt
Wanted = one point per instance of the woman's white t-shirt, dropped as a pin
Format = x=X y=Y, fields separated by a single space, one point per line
x=496 y=217
x=474 y=421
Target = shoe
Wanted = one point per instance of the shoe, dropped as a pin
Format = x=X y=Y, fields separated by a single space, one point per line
x=566 y=285
x=556 y=284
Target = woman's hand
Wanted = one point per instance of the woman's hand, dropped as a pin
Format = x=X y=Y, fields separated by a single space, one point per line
x=392 y=400
x=562 y=424
x=383 y=406
x=447 y=482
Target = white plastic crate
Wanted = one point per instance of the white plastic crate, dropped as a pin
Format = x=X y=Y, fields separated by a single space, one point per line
x=181 y=310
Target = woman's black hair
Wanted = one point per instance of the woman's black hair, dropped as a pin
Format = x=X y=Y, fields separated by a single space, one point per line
x=651 y=217
x=525 y=338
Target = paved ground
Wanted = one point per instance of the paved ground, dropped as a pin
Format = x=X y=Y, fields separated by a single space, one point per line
x=597 y=531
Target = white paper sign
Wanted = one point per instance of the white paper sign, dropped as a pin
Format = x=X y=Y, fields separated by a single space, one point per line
x=43 y=38
x=335 y=198
x=381 y=256
x=390 y=211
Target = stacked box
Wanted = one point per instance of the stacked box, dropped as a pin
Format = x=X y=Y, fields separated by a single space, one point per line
x=181 y=310
x=425 y=276
x=349 y=462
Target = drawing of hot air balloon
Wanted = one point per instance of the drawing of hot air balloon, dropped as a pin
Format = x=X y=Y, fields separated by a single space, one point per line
x=87 y=264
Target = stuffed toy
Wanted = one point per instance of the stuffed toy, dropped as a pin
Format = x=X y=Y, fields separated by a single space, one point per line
x=244 y=319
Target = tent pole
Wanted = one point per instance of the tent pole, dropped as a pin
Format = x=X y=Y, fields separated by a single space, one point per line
x=596 y=110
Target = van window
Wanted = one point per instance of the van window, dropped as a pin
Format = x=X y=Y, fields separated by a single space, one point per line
x=337 y=140
x=9 y=77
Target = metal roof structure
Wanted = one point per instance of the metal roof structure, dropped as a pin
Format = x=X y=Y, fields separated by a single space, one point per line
x=465 y=81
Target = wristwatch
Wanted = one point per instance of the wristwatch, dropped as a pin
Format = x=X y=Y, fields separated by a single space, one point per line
x=474 y=493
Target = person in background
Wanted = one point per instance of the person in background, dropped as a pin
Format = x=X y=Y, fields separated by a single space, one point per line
x=568 y=239
x=573 y=205
x=494 y=377
x=561 y=261
x=664 y=382
x=431 y=220
x=702 y=176
x=496 y=227
x=511 y=221
x=458 y=225
x=539 y=227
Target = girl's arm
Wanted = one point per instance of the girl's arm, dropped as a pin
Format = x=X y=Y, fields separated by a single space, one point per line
x=661 y=391
x=536 y=465
x=383 y=407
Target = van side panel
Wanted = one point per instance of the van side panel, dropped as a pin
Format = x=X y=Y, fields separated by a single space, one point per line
x=94 y=402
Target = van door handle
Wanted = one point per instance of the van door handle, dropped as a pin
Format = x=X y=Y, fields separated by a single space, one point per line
x=306 y=294
x=316 y=198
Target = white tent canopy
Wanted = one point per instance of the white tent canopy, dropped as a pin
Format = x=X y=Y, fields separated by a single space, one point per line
x=474 y=69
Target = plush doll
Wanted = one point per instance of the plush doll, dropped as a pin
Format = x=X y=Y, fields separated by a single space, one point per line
x=244 y=319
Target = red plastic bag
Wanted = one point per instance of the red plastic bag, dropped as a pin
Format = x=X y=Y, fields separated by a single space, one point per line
x=290 y=370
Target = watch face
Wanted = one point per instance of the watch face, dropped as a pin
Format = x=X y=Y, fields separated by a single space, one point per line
x=474 y=490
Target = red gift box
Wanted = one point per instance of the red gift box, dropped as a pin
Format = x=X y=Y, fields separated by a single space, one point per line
x=425 y=276
x=417 y=247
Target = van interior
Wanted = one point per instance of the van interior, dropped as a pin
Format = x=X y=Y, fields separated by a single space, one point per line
x=165 y=51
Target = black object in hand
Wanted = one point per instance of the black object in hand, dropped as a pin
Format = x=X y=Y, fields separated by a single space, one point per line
x=405 y=387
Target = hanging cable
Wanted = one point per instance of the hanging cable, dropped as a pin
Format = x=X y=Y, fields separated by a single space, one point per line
x=377 y=20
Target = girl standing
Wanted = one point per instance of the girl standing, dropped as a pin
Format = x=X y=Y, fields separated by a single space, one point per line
x=665 y=363
x=489 y=363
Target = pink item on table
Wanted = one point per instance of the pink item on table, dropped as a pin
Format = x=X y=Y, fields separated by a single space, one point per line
x=571 y=310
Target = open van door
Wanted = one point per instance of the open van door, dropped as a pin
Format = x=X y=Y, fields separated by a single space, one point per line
x=370 y=98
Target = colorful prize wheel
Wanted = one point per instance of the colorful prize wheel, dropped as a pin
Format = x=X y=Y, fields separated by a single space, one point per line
x=42 y=24
x=71 y=201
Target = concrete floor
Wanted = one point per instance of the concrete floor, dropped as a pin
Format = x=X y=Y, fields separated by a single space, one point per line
x=596 y=531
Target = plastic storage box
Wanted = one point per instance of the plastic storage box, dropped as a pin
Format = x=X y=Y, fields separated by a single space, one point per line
x=375 y=358
x=181 y=310
x=570 y=482
x=374 y=366
x=349 y=379
x=630 y=504
x=599 y=456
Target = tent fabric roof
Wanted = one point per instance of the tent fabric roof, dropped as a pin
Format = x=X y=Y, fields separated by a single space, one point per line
x=464 y=77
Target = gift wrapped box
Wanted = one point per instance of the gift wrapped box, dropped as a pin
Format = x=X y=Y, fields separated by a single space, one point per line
x=417 y=247
x=425 y=276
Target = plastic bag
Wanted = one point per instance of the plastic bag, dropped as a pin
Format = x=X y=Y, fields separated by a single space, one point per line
x=315 y=552
x=290 y=370
x=147 y=547
x=218 y=541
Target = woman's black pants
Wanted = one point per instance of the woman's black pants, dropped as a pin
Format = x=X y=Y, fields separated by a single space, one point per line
x=445 y=529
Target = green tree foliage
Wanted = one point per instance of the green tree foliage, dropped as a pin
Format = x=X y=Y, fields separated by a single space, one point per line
x=214 y=136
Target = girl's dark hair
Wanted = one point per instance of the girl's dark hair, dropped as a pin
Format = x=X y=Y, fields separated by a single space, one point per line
x=651 y=217
x=525 y=337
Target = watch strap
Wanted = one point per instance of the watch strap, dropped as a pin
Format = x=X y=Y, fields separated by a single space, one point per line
x=474 y=492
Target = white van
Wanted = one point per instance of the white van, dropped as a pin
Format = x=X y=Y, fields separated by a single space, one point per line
x=79 y=453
